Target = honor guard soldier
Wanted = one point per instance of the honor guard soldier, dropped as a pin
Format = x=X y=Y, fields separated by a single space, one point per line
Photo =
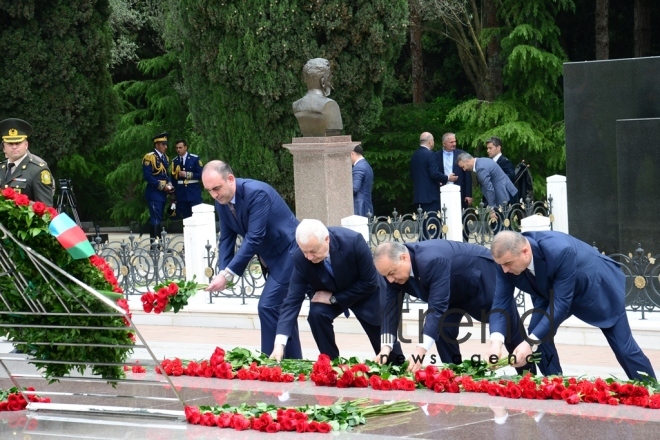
x=23 y=171
x=155 y=166
x=186 y=174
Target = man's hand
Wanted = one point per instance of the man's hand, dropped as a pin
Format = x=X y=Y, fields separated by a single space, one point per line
x=182 y=174
x=521 y=352
x=452 y=177
x=219 y=283
x=384 y=356
x=495 y=349
x=468 y=201
x=414 y=366
x=322 y=296
x=278 y=352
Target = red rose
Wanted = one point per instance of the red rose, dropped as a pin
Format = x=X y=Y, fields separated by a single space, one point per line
x=613 y=401
x=301 y=426
x=208 y=419
x=21 y=200
x=654 y=401
x=52 y=211
x=9 y=193
x=273 y=428
x=39 y=208
x=313 y=426
x=288 y=424
x=386 y=385
x=172 y=289
x=239 y=422
x=361 y=382
x=573 y=399
x=192 y=415
x=223 y=420
x=324 y=427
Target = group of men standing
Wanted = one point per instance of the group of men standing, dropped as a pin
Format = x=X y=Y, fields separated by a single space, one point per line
x=451 y=166
x=180 y=180
x=334 y=268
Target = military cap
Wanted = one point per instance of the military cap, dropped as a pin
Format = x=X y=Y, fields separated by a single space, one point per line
x=161 y=138
x=14 y=130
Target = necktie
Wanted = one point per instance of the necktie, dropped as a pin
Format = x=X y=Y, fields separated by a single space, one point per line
x=10 y=165
x=532 y=280
x=232 y=209
x=328 y=267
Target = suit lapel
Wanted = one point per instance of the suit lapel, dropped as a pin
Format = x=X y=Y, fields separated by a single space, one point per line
x=540 y=268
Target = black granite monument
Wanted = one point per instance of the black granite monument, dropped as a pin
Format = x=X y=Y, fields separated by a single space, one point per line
x=611 y=152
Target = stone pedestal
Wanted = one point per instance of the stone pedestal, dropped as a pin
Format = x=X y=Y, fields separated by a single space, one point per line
x=450 y=196
x=357 y=223
x=198 y=231
x=535 y=223
x=323 y=177
x=557 y=190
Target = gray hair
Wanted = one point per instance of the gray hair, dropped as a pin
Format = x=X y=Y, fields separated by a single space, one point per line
x=463 y=157
x=311 y=228
x=507 y=241
x=219 y=167
x=390 y=249
x=446 y=135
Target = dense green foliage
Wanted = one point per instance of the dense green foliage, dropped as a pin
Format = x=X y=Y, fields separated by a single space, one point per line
x=242 y=63
x=150 y=106
x=54 y=74
x=528 y=115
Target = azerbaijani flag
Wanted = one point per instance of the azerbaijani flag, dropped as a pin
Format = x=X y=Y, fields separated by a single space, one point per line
x=71 y=237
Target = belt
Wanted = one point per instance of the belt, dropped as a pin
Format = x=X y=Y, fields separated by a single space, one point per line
x=185 y=182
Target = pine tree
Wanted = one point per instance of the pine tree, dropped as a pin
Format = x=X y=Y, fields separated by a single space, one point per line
x=242 y=63
x=54 y=73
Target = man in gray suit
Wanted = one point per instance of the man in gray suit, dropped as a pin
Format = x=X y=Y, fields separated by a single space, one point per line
x=496 y=187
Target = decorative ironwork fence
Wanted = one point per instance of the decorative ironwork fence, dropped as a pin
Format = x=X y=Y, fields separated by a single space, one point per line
x=139 y=265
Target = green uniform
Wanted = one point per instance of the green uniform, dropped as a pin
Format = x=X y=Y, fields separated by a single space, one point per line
x=32 y=177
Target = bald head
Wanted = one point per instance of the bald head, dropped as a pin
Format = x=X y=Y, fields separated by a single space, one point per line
x=426 y=139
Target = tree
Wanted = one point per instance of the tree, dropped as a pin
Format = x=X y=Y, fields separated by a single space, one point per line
x=54 y=73
x=416 y=58
x=642 y=28
x=242 y=64
x=602 y=30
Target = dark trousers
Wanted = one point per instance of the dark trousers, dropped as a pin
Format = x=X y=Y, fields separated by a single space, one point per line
x=270 y=304
x=156 y=209
x=184 y=208
x=627 y=352
x=321 y=318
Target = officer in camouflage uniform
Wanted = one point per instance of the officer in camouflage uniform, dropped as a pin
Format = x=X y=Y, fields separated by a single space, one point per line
x=186 y=174
x=23 y=171
x=155 y=169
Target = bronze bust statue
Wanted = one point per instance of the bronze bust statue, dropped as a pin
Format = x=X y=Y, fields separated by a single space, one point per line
x=318 y=115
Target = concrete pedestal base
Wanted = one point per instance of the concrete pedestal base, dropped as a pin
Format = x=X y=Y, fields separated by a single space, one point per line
x=323 y=177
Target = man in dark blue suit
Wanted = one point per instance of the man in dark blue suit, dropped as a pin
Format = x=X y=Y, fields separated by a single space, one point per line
x=186 y=177
x=155 y=170
x=564 y=276
x=454 y=279
x=334 y=267
x=426 y=175
x=494 y=151
x=363 y=180
x=447 y=162
x=254 y=210
x=495 y=185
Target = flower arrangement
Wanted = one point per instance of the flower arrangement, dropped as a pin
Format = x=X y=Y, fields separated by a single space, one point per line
x=29 y=224
x=169 y=296
x=13 y=400
x=272 y=419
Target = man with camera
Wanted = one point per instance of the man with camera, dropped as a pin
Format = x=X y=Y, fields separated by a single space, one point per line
x=23 y=171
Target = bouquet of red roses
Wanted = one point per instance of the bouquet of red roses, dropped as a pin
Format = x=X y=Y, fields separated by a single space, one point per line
x=170 y=296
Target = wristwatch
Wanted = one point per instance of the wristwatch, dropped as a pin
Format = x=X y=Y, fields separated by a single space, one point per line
x=333 y=299
x=228 y=275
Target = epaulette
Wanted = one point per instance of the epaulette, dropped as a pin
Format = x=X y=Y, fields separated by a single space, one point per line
x=151 y=153
x=193 y=155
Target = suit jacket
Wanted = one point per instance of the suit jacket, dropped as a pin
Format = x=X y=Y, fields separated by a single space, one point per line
x=464 y=177
x=572 y=278
x=507 y=167
x=355 y=281
x=426 y=176
x=267 y=225
x=363 y=180
x=446 y=274
x=32 y=178
x=495 y=185
x=156 y=173
x=187 y=189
